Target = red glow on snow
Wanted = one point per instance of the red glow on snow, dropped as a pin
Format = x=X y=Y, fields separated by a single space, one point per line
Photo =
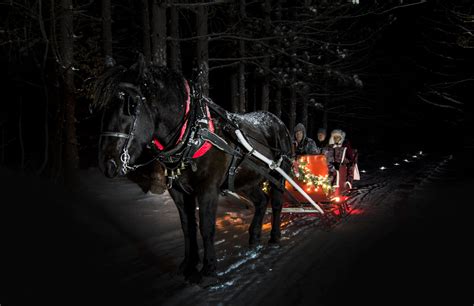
x=356 y=211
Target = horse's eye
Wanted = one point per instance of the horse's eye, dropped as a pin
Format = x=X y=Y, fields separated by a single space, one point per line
x=130 y=107
x=121 y=95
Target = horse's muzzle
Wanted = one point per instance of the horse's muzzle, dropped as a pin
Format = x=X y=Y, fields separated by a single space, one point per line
x=111 y=168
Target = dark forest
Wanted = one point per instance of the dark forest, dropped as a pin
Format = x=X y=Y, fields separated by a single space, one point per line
x=392 y=74
x=390 y=80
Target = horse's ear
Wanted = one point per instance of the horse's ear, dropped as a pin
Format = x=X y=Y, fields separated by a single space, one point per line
x=109 y=62
x=140 y=66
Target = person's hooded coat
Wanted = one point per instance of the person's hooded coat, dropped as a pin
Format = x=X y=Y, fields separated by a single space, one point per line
x=307 y=145
x=340 y=153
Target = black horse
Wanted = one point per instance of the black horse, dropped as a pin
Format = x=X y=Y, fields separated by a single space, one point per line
x=151 y=116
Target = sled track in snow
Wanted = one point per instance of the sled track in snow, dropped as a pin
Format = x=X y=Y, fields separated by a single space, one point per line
x=248 y=269
x=240 y=269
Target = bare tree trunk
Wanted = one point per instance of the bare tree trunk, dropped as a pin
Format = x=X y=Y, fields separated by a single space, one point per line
x=242 y=90
x=175 y=51
x=266 y=61
x=107 y=32
x=234 y=91
x=266 y=94
x=304 y=108
x=277 y=101
x=146 y=30
x=2 y=159
x=158 y=38
x=326 y=105
x=252 y=100
x=325 y=116
x=293 y=99
x=71 y=154
x=203 y=49
x=20 y=135
x=42 y=26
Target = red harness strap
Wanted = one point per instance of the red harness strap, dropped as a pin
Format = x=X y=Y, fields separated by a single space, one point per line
x=207 y=145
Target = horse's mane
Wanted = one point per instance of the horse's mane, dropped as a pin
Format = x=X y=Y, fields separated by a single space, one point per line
x=106 y=86
x=153 y=80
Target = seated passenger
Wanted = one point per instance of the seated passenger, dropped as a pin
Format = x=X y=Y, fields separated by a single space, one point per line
x=340 y=156
x=321 y=140
x=303 y=145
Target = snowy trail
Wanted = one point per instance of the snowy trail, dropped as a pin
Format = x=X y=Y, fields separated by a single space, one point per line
x=126 y=245
x=145 y=241
x=264 y=264
x=109 y=243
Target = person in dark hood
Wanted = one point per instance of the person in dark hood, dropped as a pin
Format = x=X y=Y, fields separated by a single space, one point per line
x=304 y=145
x=321 y=140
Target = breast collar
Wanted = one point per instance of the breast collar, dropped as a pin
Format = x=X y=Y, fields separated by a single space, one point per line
x=189 y=144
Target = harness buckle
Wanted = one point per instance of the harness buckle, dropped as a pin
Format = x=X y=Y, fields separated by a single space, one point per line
x=125 y=159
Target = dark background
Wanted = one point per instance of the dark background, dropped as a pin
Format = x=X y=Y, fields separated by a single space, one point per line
x=405 y=54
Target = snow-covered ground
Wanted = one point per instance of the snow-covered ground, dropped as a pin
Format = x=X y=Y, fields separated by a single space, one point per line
x=131 y=242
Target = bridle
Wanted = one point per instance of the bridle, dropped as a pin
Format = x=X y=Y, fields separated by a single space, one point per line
x=125 y=156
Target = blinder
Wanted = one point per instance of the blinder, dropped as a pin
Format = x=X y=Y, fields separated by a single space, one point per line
x=130 y=107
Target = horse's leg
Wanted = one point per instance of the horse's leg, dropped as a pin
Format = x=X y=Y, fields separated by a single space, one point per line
x=260 y=200
x=186 y=207
x=207 y=225
x=277 y=201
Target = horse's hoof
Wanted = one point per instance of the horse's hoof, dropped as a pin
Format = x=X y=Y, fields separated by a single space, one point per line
x=208 y=271
x=195 y=277
x=254 y=242
x=274 y=242
x=255 y=245
x=186 y=269
x=208 y=281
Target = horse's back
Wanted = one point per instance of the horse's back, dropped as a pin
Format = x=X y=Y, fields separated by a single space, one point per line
x=265 y=132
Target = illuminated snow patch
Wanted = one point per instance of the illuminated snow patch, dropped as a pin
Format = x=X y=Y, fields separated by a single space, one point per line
x=222 y=286
x=248 y=256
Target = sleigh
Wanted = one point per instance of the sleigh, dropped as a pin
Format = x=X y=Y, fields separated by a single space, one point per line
x=330 y=192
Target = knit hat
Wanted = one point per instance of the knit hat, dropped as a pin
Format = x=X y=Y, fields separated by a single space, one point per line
x=322 y=130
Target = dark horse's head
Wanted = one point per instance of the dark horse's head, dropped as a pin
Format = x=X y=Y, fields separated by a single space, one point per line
x=138 y=104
